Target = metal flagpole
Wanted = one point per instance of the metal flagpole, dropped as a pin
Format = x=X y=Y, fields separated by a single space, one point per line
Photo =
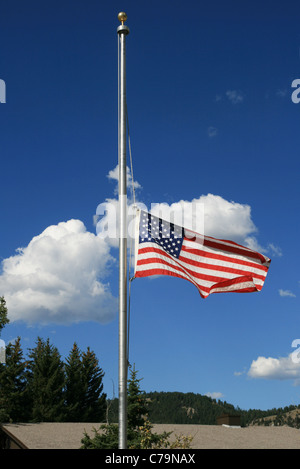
x=123 y=30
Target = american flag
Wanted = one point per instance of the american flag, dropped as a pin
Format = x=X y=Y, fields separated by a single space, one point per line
x=212 y=265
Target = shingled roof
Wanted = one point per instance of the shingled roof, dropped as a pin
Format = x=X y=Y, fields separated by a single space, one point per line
x=45 y=435
x=69 y=435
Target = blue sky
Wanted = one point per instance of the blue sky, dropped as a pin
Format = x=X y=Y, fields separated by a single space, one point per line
x=211 y=119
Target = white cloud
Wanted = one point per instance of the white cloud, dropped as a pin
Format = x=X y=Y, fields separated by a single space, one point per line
x=114 y=176
x=209 y=214
x=234 y=96
x=59 y=277
x=214 y=395
x=276 y=368
x=270 y=249
x=286 y=293
x=238 y=373
x=221 y=218
x=212 y=132
x=106 y=219
x=275 y=250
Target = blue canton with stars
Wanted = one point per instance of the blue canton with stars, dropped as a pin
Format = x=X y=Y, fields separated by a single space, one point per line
x=165 y=234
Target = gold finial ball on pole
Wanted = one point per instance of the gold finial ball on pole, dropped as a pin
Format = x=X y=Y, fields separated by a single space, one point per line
x=122 y=17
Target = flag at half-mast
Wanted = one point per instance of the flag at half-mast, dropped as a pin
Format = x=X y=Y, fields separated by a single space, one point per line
x=212 y=265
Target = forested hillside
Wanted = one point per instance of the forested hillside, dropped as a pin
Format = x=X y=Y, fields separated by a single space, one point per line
x=190 y=408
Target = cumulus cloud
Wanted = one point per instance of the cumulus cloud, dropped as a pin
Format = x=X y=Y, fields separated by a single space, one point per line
x=283 y=368
x=106 y=219
x=219 y=217
x=59 y=277
x=208 y=214
x=286 y=293
x=113 y=175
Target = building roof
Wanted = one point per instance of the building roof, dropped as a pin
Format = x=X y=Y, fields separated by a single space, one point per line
x=69 y=435
x=49 y=435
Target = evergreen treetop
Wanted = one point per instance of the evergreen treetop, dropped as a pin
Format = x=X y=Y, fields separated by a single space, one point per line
x=46 y=381
x=3 y=313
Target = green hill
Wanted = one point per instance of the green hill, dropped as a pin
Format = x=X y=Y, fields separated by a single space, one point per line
x=191 y=408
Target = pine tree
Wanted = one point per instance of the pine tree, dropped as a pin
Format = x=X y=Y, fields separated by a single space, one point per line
x=94 y=402
x=137 y=408
x=74 y=386
x=13 y=392
x=46 y=382
x=3 y=313
x=139 y=429
x=84 y=397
